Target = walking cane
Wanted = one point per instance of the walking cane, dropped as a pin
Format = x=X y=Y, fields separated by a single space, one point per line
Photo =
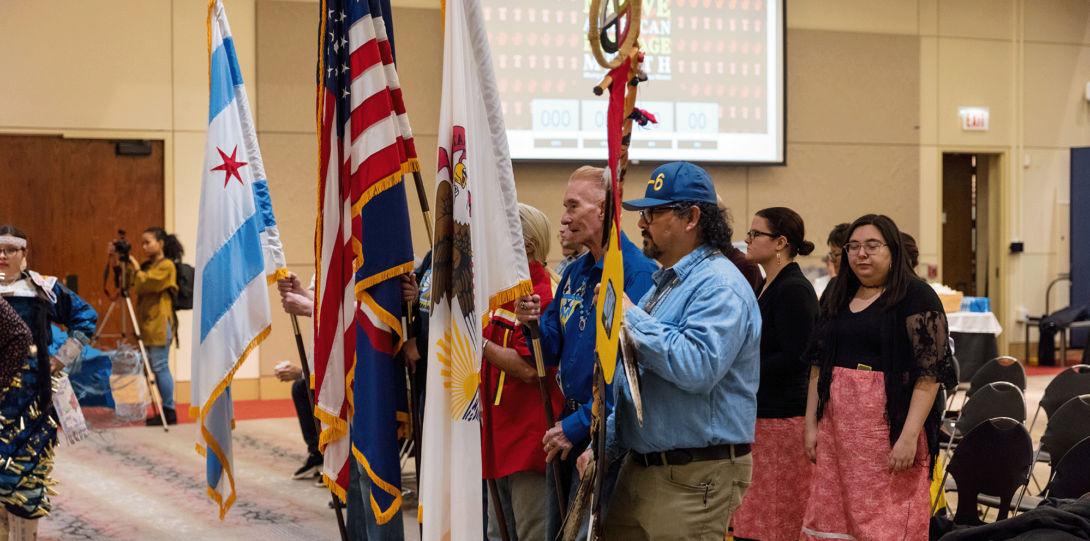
x=546 y=400
x=317 y=424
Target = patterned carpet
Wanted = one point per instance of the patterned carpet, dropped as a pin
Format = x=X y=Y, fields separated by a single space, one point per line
x=141 y=483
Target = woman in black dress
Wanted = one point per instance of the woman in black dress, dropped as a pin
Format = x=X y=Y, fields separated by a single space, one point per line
x=879 y=355
x=774 y=505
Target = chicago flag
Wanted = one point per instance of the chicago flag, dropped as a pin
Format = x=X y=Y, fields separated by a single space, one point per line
x=238 y=256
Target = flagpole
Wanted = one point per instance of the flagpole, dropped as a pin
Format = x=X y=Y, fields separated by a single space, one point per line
x=501 y=521
x=414 y=401
x=416 y=416
x=550 y=420
x=424 y=206
x=317 y=424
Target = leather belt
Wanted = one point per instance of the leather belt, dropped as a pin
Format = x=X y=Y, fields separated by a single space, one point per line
x=570 y=407
x=680 y=457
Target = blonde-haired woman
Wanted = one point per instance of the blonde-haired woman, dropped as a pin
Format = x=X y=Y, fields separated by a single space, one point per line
x=512 y=412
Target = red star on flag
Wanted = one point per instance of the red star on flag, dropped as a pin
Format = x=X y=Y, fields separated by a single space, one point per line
x=230 y=166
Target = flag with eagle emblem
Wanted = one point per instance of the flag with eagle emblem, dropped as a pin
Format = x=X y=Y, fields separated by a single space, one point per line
x=478 y=264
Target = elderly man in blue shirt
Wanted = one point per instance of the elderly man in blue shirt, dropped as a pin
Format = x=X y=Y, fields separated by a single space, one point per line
x=697 y=337
x=568 y=330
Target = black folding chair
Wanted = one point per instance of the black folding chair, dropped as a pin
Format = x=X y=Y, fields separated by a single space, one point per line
x=959 y=387
x=1071 y=478
x=1072 y=382
x=1006 y=369
x=1068 y=426
x=997 y=399
x=994 y=459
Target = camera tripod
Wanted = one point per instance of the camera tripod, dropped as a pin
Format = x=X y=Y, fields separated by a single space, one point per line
x=123 y=290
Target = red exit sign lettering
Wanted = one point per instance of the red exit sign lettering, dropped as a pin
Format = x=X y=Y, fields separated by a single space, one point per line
x=973 y=118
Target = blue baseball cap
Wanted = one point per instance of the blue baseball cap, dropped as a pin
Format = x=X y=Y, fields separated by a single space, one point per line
x=675 y=182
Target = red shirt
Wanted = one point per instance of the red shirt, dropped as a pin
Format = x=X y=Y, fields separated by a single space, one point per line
x=512 y=414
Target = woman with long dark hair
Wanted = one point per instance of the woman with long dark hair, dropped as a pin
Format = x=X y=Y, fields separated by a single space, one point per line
x=155 y=281
x=774 y=505
x=879 y=355
x=29 y=433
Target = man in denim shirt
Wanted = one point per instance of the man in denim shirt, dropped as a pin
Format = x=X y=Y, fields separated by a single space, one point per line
x=697 y=337
x=568 y=330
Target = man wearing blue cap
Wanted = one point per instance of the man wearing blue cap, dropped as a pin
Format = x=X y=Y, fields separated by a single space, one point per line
x=697 y=337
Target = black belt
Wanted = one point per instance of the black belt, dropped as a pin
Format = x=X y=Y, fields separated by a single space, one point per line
x=680 y=457
x=570 y=407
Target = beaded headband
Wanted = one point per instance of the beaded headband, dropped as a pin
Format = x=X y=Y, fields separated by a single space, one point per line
x=13 y=240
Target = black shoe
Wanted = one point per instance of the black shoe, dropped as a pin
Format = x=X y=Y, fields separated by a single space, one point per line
x=156 y=420
x=312 y=468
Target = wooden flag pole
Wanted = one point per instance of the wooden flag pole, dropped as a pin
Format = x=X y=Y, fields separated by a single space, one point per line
x=550 y=420
x=317 y=424
x=424 y=206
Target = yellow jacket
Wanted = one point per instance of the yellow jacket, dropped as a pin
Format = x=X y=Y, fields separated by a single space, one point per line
x=154 y=289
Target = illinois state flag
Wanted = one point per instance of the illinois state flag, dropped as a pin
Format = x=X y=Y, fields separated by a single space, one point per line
x=238 y=256
x=478 y=264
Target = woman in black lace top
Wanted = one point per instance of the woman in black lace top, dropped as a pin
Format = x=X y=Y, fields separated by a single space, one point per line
x=879 y=355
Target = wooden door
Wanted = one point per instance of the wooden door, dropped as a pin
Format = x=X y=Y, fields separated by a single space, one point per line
x=958 y=261
x=70 y=196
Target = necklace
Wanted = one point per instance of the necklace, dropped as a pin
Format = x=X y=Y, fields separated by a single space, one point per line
x=864 y=286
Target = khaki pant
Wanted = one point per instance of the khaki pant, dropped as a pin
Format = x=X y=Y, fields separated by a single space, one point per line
x=523 y=510
x=694 y=501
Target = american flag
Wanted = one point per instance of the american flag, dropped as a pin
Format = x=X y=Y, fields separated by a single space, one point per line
x=363 y=245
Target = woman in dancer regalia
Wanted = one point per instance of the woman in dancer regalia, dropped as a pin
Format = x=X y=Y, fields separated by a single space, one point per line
x=28 y=428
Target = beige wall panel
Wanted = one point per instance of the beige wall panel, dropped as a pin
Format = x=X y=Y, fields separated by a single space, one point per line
x=426 y=146
x=880 y=16
x=991 y=19
x=88 y=65
x=188 y=161
x=291 y=163
x=1056 y=110
x=418 y=36
x=930 y=237
x=975 y=73
x=852 y=87
x=280 y=345
x=274 y=389
x=183 y=366
x=191 y=59
x=830 y=184
x=1046 y=183
x=287 y=34
x=929 y=91
x=929 y=17
x=248 y=388
x=1036 y=272
x=1063 y=21
x=182 y=394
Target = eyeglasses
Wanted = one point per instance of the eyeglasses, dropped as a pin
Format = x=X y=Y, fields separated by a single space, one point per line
x=753 y=233
x=834 y=255
x=648 y=214
x=871 y=246
x=11 y=251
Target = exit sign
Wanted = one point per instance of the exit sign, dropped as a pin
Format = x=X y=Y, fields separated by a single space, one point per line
x=973 y=118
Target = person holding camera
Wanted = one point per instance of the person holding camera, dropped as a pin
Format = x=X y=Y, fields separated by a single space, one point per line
x=155 y=283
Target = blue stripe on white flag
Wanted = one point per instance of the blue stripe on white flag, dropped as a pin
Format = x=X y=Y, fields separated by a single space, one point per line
x=225 y=76
x=229 y=270
x=264 y=203
x=218 y=425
